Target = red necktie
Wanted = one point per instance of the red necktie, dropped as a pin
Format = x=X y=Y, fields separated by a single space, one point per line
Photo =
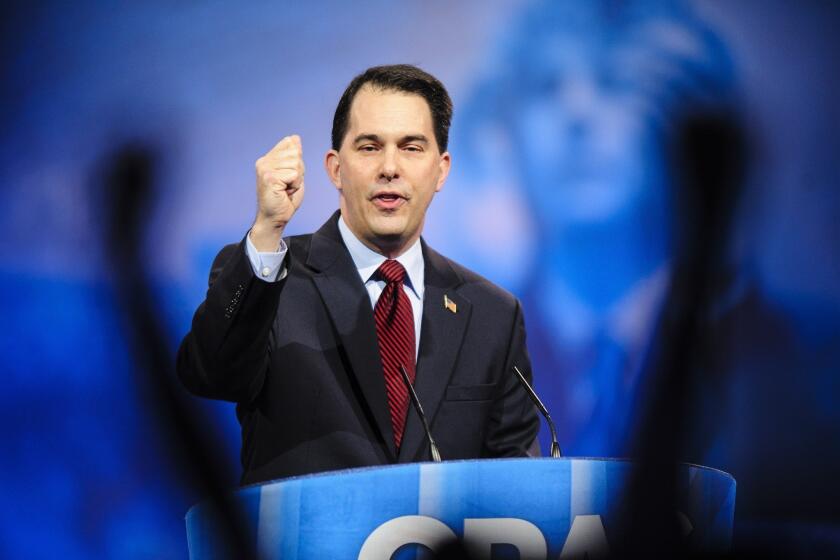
x=395 y=331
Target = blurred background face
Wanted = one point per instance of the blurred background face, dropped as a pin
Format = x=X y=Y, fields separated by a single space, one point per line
x=582 y=141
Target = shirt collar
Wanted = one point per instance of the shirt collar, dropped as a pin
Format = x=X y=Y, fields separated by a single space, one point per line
x=368 y=261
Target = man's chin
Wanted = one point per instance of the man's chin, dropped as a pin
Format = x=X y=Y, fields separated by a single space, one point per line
x=389 y=227
x=389 y=236
x=392 y=237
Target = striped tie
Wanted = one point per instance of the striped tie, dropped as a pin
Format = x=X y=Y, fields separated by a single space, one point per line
x=395 y=331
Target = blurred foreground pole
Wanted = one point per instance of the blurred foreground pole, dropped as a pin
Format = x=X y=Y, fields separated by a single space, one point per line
x=129 y=193
x=708 y=156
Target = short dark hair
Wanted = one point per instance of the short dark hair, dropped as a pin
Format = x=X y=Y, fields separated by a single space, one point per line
x=398 y=77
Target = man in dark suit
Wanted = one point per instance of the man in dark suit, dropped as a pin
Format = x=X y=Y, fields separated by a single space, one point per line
x=308 y=334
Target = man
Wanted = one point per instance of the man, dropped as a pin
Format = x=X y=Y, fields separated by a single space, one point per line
x=308 y=334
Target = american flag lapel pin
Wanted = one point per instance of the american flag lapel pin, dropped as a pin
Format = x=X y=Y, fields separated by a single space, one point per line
x=449 y=304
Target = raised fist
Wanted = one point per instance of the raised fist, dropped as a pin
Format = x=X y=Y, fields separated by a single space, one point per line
x=279 y=191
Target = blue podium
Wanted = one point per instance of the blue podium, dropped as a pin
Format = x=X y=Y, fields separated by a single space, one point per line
x=546 y=508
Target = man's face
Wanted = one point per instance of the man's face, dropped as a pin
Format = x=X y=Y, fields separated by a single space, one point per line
x=388 y=168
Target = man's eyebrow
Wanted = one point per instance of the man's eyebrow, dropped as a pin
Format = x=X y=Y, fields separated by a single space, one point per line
x=414 y=138
x=405 y=139
x=367 y=137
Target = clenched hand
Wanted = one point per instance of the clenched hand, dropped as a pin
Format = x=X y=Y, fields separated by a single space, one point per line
x=279 y=191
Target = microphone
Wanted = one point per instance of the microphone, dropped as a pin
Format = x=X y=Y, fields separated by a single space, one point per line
x=421 y=414
x=555 y=446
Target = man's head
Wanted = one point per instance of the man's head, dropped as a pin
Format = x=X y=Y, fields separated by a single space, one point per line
x=389 y=154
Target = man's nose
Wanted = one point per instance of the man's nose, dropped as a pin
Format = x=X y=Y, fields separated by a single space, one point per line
x=390 y=168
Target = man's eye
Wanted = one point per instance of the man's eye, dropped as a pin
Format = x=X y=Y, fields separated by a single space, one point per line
x=368 y=148
x=413 y=148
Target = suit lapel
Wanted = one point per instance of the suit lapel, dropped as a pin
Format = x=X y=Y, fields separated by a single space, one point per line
x=348 y=304
x=442 y=332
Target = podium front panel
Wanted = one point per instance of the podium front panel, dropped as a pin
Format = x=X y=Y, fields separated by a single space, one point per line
x=547 y=507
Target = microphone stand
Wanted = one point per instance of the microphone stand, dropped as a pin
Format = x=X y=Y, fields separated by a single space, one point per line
x=419 y=408
x=555 y=445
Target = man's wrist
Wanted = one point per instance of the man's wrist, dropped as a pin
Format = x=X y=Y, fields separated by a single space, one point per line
x=266 y=237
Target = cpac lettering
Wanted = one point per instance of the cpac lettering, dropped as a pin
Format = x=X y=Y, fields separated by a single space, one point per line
x=586 y=538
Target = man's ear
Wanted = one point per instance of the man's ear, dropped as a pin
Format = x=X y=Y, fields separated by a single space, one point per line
x=445 y=164
x=332 y=164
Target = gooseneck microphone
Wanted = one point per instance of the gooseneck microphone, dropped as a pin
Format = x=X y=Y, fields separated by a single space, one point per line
x=421 y=414
x=555 y=446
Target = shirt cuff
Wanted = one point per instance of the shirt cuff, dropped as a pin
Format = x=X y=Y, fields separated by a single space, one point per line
x=267 y=266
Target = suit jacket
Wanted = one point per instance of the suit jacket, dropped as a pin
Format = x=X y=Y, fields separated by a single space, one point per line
x=300 y=358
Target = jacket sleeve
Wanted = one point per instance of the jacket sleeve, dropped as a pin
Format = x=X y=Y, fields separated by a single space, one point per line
x=513 y=423
x=225 y=355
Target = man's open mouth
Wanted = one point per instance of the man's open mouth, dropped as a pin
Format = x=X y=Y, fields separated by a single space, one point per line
x=388 y=200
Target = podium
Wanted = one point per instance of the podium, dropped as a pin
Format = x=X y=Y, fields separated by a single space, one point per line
x=546 y=508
